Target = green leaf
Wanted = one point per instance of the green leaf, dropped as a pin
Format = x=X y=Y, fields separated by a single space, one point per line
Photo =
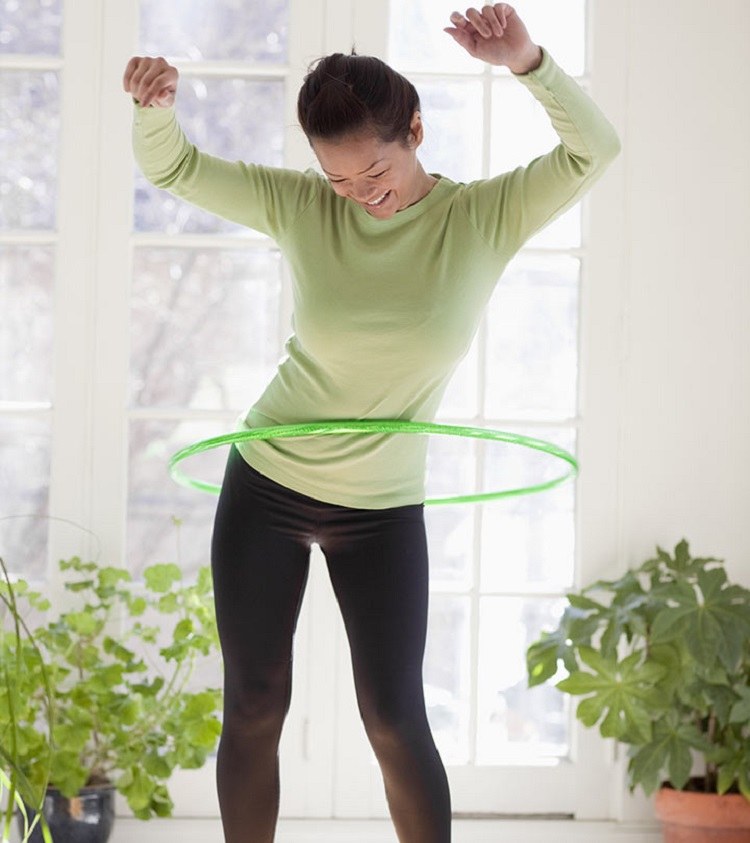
x=201 y=704
x=668 y=751
x=138 y=789
x=157 y=766
x=671 y=623
x=130 y=710
x=114 y=648
x=711 y=582
x=82 y=623
x=622 y=692
x=581 y=682
x=727 y=777
x=542 y=657
x=205 y=582
x=160 y=578
x=579 y=626
x=712 y=626
x=590 y=710
x=183 y=629
x=204 y=733
x=682 y=555
x=740 y=712
x=72 y=737
x=161 y=804
x=67 y=772
x=109 y=577
x=137 y=606
x=580 y=601
x=168 y=603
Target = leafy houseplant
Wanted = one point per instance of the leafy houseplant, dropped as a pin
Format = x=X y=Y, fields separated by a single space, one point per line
x=661 y=657
x=99 y=693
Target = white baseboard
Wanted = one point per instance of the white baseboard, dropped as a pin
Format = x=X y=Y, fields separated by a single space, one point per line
x=380 y=831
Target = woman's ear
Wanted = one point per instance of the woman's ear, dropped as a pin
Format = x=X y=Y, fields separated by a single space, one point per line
x=416 y=130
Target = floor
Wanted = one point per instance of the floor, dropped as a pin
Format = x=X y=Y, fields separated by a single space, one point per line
x=345 y=831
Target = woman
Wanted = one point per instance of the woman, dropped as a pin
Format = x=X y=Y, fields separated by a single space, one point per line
x=392 y=268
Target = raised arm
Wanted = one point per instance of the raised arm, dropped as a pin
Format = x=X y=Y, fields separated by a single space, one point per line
x=267 y=199
x=510 y=208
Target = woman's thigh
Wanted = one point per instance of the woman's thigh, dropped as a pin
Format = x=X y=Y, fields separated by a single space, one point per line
x=260 y=561
x=380 y=574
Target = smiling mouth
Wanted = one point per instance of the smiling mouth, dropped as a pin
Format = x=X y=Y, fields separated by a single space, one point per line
x=379 y=201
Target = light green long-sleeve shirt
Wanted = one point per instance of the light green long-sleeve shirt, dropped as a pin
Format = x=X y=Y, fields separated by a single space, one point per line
x=383 y=309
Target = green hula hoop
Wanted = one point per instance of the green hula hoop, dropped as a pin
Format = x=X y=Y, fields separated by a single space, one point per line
x=327 y=428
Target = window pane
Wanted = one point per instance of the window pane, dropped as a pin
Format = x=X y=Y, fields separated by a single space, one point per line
x=24 y=490
x=155 y=500
x=204 y=326
x=451 y=470
x=215 y=29
x=450 y=533
x=532 y=339
x=448 y=108
x=517 y=724
x=29 y=132
x=560 y=27
x=233 y=118
x=521 y=131
x=447 y=679
x=31 y=26
x=528 y=542
x=26 y=274
x=417 y=41
x=450 y=466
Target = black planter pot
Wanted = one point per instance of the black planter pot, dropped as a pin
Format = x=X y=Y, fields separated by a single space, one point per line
x=85 y=818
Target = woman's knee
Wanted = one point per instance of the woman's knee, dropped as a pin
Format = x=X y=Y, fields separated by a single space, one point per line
x=255 y=707
x=390 y=722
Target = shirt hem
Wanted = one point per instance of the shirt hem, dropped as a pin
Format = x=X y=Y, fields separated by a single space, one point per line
x=295 y=484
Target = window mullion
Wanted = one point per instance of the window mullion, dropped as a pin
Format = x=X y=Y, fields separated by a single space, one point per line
x=113 y=261
x=74 y=317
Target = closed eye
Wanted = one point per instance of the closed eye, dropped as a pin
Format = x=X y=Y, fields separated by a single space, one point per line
x=376 y=176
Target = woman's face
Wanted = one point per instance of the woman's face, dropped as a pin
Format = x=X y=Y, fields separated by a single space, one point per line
x=381 y=177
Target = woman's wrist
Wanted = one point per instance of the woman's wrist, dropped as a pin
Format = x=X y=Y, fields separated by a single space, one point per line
x=529 y=62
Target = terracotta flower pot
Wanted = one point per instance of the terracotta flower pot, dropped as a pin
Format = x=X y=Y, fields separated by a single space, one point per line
x=693 y=817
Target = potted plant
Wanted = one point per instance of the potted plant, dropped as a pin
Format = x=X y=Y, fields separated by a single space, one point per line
x=96 y=698
x=661 y=657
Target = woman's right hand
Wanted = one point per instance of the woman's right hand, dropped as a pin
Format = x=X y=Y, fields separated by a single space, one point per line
x=151 y=81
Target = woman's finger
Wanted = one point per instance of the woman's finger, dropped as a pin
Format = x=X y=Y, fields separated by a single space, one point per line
x=130 y=69
x=463 y=37
x=458 y=20
x=503 y=10
x=158 y=88
x=158 y=77
x=480 y=24
x=490 y=14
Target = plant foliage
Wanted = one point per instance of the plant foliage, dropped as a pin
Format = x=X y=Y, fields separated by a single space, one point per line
x=661 y=659
x=99 y=692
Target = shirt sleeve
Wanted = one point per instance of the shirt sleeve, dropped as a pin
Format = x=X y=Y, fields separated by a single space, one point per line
x=508 y=209
x=267 y=199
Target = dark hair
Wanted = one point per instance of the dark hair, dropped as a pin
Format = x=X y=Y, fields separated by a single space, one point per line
x=353 y=93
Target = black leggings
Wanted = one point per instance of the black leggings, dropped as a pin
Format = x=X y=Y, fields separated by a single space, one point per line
x=377 y=561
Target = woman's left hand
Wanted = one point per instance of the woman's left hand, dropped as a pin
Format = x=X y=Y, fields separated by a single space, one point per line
x=496 y=35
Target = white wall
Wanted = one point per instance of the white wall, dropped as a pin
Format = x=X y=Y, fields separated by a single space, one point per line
x=685 y=455
x=673 y=76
